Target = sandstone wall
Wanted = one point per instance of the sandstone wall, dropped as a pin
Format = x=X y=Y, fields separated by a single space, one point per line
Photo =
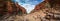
x=7 y=7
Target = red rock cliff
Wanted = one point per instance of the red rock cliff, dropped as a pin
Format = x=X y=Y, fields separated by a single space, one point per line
x=39 y=6
x=47 y=3
x=11 y=8
x=15 y=8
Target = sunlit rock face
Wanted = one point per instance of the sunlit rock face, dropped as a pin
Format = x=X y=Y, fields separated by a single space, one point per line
x=20 y=9
x=10 y=7
x=39 y=6
x=52 y=9
x=48 y=3
x=14 y=8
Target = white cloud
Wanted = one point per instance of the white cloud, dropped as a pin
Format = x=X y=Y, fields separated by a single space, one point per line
x=28 y=7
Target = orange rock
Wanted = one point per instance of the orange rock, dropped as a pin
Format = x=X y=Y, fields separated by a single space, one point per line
x=50 y=4
x=21 y=8
x=39 y=6
x=11 y=8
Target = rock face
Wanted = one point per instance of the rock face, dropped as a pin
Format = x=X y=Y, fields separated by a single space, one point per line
x=3 y=7
x=14 y=7
x=52 y=9
x=9 y=8
x=20 y=8
x=39 y=6
x=48 y=3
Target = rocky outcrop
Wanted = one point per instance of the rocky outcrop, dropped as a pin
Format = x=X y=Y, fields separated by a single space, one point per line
x=14 y=7
x=3 y=7
x=52 y=9
x=21 y=8
x=11 y=7
x=8 y=8
x=48 y=3
x=39 y=6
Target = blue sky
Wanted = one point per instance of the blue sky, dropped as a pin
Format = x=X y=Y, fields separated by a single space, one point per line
x=29 y=5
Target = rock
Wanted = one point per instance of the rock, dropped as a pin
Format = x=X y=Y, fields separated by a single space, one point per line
x=52 y=9
x=48 y=10
x=39 y=6
x=8 y=8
